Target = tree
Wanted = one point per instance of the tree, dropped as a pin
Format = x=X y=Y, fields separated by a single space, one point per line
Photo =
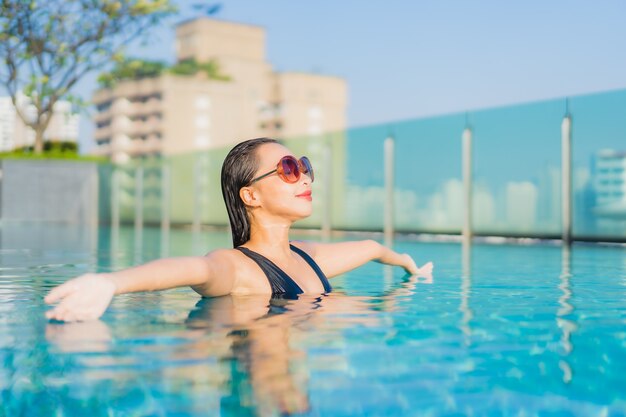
x=46 y=47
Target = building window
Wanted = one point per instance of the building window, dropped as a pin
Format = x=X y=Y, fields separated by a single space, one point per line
x=203 y=102
x=315 y=130
x=144 y=98
x=202 y=121
x=202 y=141
x=315 y=113
x=102 y=107
x=185 y=42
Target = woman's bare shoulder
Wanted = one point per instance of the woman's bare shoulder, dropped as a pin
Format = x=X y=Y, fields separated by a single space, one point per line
x=224 y=254
x=233 y=265
x=229 y=261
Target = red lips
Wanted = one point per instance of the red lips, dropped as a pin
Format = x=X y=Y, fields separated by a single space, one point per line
x=306 y=195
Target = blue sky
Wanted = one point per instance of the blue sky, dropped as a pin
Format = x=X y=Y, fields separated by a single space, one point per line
x=407 y=59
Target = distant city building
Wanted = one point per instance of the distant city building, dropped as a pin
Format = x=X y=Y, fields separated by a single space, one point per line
x=549 y=199
x=172 y=114
x=7 y=124
x=15 y=134
x=521 y=205
x=609 y=183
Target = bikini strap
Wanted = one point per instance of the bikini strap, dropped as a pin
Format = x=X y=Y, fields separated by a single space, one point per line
x=314 y=266
x=280 y=282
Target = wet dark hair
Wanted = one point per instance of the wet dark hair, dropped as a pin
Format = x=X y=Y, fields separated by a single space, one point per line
x=237 y=171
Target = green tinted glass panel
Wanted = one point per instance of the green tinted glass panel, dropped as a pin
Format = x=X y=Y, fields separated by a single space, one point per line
x=428 y=188
x=516 y=169
x=599 y=164
x=361 y=190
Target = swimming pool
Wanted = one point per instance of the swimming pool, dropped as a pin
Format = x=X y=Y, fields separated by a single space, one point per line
x=501 y=330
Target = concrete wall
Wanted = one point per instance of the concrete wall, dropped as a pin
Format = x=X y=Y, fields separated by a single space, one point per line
x=57 y=191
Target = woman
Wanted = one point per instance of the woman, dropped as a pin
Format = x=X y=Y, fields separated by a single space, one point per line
x=266 y=189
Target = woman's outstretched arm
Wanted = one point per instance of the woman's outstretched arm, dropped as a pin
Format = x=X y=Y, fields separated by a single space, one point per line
x=88 y=296
x=338 y=258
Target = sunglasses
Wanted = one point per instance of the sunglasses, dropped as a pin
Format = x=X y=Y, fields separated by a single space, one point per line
x=289 y=169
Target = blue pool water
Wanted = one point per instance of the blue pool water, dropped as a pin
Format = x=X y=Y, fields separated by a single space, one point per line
x=502 y=330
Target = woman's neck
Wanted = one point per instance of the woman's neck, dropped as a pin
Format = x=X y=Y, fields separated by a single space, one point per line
x=270 y=236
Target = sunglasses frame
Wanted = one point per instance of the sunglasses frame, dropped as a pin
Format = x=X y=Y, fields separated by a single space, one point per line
x=300 y=169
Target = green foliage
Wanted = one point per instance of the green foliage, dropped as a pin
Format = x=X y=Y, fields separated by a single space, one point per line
x=191 y=67
x=64 y=146
x=185 y=67
x=51 y=150
x=46 y=47
x=52 y=146
x=135 y=69
x=131 y=69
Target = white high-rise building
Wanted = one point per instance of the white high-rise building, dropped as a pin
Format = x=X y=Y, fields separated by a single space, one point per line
x=64 y=123
x=7 y=124
x=15 y=134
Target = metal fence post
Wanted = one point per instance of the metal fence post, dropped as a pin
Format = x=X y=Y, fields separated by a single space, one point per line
x=566 y=179
x=165 y=208
x=138 y=213
x=115 y=198
x=467 y=182
x=389 y=190
x=197 y=189
x=115 y=212
x=138 y=197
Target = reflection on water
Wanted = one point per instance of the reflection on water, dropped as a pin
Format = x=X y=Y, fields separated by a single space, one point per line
x=263 y=364
x=466 y=287
x=502 y=330
x=253 y=338
x=565 y=310
x=92 y=336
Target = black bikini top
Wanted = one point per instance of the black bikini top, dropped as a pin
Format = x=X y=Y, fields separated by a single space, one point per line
x=282 y=284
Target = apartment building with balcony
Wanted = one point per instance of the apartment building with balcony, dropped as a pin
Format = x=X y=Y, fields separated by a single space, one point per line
x=172 y=114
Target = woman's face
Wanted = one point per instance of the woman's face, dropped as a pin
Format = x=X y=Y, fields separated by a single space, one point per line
x=275 y=196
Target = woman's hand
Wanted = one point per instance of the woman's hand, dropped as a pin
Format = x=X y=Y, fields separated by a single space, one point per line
x=425 y=271
x=82 y=298
x=408 y=264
